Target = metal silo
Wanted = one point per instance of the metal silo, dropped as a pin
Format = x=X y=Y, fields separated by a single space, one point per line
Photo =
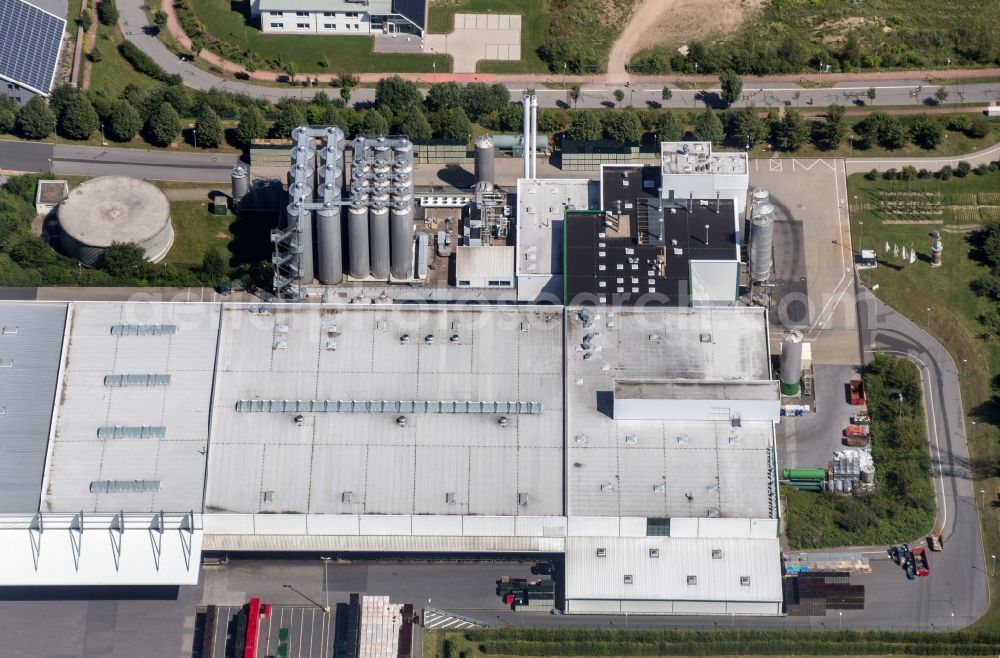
x=759 y=195
x=378 y=235
x=241 y=184
x=357 y=242
x=330 y=244
x=791 y=362
x=299 y=194
x=484 y=159
x=761 y=241
x=401 y=228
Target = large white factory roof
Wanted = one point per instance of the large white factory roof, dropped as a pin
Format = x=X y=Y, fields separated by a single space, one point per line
x=666 y=467
x=541 y=206
x=447 y=461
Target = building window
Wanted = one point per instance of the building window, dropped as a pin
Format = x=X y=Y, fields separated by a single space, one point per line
x=302 y=13
x=716 y=553
x=464 y=282
x=352 y=14
x=302 y=26
x=329 y=13
x=602 y=552
x=692 y=580
x=275 y=13
x=628 y=579
x=654 y=552
x=277 y=25
x=745 y=581
x=329 y=26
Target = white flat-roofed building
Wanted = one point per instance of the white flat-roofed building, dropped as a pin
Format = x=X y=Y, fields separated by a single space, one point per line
x=694 y=170
x=541 y=209
x=341 y=16
x=484 y=266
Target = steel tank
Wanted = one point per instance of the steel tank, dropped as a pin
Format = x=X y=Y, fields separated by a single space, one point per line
x=759 y=195
x=378 y=235
x=401 y=228
x=484 y=159
x=240 y=184
x=330 y=244
x=359 y=265
x=298 y=194
x=791 y=362
x=761 y=241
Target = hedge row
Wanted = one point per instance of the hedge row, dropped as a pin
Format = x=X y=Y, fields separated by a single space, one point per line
x=819 y=646
x=540 y=635
x=143 y=63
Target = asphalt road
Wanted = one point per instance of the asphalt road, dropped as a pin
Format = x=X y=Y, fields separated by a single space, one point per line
x=904 y=91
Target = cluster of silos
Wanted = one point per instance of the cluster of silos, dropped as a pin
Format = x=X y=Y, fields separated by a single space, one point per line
x=329 y=238
x=791 y=362
x=761 y=235
x=380 y=214
x=300 y=195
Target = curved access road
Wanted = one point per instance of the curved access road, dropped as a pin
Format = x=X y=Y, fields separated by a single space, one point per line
x=861 y=165
x=957 y=592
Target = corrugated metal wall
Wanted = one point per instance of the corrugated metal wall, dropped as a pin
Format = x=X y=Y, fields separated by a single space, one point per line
x=31 y=338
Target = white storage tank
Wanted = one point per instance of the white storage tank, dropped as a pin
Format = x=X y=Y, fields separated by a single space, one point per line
x=114 y=209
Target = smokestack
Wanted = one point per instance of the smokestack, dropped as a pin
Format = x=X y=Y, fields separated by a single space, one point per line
x=690 y=200
x=534 y=136
x=526 y=136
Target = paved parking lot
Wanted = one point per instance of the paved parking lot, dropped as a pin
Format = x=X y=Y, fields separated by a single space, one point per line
x=477 y=37
x=809 y=441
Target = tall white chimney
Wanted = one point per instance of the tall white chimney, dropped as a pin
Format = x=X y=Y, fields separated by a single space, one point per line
x=534 y=136
x=526 y=135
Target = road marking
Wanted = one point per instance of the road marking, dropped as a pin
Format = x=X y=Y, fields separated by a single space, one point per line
x=840 y=241
x=775 y=164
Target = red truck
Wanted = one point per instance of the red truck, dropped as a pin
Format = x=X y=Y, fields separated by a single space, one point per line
x=920 y=561
x=857 y=390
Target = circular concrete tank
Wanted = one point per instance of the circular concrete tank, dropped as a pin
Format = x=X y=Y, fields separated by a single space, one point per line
x=115 y=209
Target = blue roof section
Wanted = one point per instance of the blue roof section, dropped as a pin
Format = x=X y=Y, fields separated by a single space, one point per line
x=30 y=39
x=31 y=339
x=414 y=10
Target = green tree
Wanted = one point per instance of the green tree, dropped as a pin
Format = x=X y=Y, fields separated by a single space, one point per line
x=125 y=261
x=35 y=120
x=666 y=94
x=453 y=124
x=792 y=132
x=78 y=119
x=624 y=127
x=708 y=127
x=881 y=128
x=619 y=96
x=444 y=96
x=586 y=126
x=927 y=132
x=291 y=69
x=480 y=99
x=210 y=133
x=95 y=55
x=348 y=80
x=160 y=19
x=123 y=122
x=552 y=121
x=416 y=126
x=398 y=96
x=163 y=127
x=669 y=128
x=830 y=133
x=213 y=267
x=86 y=20
x=732 y=86
x=251 y=126
x=872 y=92
x=941 y=95
x=107 y=12
x=574 y=94
x=8 y=114
x=291 y=115
x=345 y=95
x=747 y=128
x=374 y=123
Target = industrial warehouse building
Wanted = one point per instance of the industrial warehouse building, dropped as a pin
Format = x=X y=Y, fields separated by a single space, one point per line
x=341 y=16
x=639 y=442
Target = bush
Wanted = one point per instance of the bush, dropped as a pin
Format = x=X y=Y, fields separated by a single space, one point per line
x=960 y=123
x=979 y=129
x=78 y=119
x=923 y=174
x=586 y=126
x=944 y=173
x=163 y=126
x=889 y=174
x=981 y=169
x=123 y=122
x=86 y=20
x=8 y=114
x=95 y=55
x=144 y=64
x=963 y=169
x=872 y=175
x=623 y=127
x=107 y=12
x=35 y=120
x=209 y=128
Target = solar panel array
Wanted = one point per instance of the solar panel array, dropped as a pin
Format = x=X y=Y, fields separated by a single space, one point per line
x=392 y=406
x=29 y=44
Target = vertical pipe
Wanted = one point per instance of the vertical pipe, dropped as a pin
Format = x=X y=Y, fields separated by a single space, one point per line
x=534 y=137
x=526 y=135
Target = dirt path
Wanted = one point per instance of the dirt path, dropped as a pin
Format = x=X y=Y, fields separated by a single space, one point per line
x=91 y=43
x=660 y=22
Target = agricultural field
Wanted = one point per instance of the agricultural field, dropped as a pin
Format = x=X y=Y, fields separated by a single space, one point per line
x=792 y=36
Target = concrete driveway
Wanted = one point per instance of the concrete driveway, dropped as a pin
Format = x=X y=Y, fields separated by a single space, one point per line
x=477 y=37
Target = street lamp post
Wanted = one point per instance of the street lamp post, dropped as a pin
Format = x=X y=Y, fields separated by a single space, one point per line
x=965 y=367
x=103 y=140
x=434 y=67
x=928 y=317
x=973 y=431
x=194 y=131
x=899 y=396
x=982 y=496
x=326 y=585
x=993 y=569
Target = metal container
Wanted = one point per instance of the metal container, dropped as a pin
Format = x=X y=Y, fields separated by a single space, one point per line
x=803 y=474
x=378 y=235
x=401 y=231
x=761 y=241
x=422 y=243
x=357 y=242
x=241 y=184
x=484 y=159
x=791 y=362
x=329 y=242
x=759 y=195
x=868 y=473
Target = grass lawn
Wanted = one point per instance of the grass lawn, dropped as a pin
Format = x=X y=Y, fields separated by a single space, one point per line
x=242 y=240
x=535 y=21
x=226 y=21
x=110 y=75
x=911 y=289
